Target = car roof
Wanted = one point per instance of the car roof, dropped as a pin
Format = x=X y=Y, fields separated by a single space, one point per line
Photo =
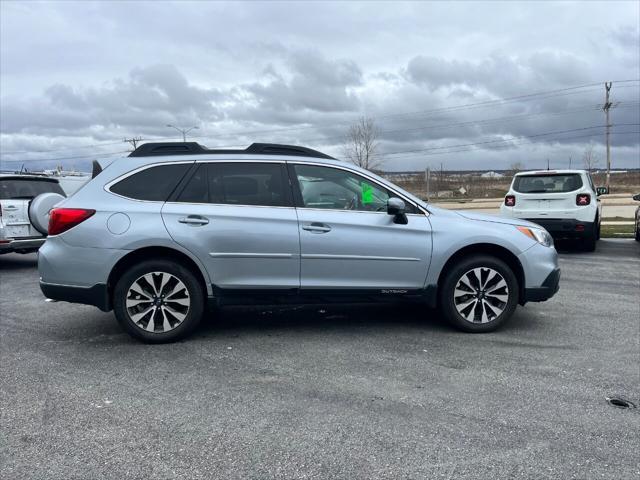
x=153 y=149
x=27 y=176
x=549 y=172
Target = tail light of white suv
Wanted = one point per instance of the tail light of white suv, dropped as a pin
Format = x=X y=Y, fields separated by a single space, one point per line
x=583 y=199
x=510 y=200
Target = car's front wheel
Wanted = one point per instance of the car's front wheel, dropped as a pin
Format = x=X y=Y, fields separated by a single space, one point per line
x=158 y=301
x=479 y=293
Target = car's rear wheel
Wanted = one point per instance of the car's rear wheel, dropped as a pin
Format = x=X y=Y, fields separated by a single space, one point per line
x=158 y=301
x=478 y=294
x=637 y=232
x=591 y=238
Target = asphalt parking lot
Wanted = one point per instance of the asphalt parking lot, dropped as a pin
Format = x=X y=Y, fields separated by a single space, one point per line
x=348 y=392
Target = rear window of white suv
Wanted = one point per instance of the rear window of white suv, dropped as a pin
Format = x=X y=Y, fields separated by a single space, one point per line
x=27 y=187
x=549 y=183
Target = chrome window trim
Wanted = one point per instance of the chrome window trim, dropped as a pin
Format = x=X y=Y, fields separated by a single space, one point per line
x=228 y=205
x=107 y=187
x=424 y=211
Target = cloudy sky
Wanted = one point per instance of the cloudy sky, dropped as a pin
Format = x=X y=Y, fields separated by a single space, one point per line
x=471 y=85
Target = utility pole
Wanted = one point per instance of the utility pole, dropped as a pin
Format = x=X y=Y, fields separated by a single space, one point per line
x=606 y=107
x=569 y=162
x=547 y=163
x=133 y=141
x=427 y=177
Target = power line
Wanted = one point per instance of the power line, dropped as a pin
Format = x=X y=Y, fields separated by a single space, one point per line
x=513 y=143
x=488 y=142
x=593 y=107
x=477 y=122
x=540 y=95
x=77 y=157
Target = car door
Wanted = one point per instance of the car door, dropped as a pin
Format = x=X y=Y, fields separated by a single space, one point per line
x=347 y=239
x=238 y=218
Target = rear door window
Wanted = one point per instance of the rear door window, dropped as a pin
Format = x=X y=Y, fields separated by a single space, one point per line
x=27 y=188
x=153 y=184
x=238 y=183
x=551 y=183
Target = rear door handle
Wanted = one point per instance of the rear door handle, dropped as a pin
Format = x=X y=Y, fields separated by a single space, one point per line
x=195 y=220
x=316 y=227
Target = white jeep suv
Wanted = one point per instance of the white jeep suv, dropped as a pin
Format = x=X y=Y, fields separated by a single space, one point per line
x=564 y=202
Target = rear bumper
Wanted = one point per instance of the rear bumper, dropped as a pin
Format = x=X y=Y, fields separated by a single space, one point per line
x=548 y=289
x=96 y=295
x=23 y=245
x=564 y=227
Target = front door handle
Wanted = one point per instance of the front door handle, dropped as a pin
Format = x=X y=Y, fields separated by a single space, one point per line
x=195 y=220
x=316 y=227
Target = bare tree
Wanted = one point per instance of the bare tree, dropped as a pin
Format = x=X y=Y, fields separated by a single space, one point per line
x=361 y=145
x=590 y=159
x=516 y=167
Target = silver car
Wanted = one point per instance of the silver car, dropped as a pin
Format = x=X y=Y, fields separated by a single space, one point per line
x=174 y=228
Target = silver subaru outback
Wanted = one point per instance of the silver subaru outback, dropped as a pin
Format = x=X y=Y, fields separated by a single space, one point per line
x=172 y=229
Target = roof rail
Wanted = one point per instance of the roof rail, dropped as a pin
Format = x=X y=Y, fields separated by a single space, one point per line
x=194 y=148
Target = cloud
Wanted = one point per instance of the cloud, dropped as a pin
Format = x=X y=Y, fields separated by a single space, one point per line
x=147 y=100
x=499 y=74
x=315 y=83
x=75 y=75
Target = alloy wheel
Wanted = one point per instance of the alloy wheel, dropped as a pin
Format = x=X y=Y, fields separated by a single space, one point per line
x=481 y=295
x=158 y=302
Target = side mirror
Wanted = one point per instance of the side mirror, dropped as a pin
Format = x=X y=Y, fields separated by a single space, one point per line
x=636 y=197
x=396 y=207
x=602 y=191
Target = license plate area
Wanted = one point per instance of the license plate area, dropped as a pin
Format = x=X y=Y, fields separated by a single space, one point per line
x=16 y=231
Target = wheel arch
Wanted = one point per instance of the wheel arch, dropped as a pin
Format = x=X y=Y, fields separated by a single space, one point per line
x=147 y=253
x=494 y=250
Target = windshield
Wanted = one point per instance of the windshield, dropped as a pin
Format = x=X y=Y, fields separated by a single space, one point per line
x=27 y=187
x=550 y=183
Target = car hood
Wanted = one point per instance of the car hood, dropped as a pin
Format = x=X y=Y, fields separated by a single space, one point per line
x=487 y=217
x=481 y=217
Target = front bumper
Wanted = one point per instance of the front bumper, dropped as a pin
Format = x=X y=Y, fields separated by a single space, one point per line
x=548 y=289
x=564 y=227
x=97 y=295
x=21 y=245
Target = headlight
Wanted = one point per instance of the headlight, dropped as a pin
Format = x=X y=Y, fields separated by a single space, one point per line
x=538 y=234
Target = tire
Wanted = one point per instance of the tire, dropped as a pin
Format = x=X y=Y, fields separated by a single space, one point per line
x=598 y=229
x=637 y=232
x=178 y=306
x=479 y=319
x=590 y=239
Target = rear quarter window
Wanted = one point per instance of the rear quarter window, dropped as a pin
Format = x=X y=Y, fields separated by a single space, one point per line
x=153 y=184
x=551 y=183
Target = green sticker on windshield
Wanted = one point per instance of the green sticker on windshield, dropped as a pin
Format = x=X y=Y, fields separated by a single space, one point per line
x=366 y=192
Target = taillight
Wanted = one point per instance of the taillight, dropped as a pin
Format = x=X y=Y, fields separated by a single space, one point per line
x=583 y=199
x=510 y=200
x=62 y=219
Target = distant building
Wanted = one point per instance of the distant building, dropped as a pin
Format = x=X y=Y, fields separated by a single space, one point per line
x=492 y=174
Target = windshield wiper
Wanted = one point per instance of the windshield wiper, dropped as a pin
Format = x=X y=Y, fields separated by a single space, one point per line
x=21 y=197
